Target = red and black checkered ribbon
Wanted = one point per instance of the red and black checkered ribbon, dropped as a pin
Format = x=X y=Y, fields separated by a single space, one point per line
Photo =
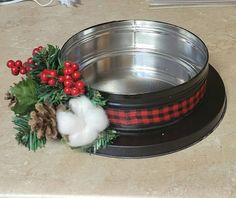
x=155 y=115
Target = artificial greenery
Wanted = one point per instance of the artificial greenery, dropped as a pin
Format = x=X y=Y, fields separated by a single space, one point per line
x=52 y=95
x=96 y=97
x=25 y=94
x=47 y=58
x=31 y=90
x=105 y=138
x=24 y=134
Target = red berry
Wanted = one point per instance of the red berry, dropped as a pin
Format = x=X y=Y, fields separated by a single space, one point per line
x=44 y=76
x=80 y=84
x=81 y=91
x=30 y=61
x=35 y=51
x=23 y=70
x=67 y=64
x=75 y=91
x=51 y=82
x=67 y=77
x=25 y=64
x=18 y=63
x=76 y=75
x=65 y=71
x=61 y=79
x=68 y=83
x=28 y=69
x=70 y=70
x=10 y=63
x=53 y=73
x=67 y=90
x=40 y=48
x=46 y=71
x=75 y=66
x=15 y=70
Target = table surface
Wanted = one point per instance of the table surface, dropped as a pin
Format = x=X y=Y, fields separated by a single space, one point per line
x=207 y=169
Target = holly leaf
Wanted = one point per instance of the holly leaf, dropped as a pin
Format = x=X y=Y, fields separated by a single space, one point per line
x=25 y=93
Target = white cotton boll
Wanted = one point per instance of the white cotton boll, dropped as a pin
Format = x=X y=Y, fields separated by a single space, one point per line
x=96 y=117
x=87 y=136
x=68 y=123
x=80 y=105
x=84 y=123
x=65 y=122
x=99 y=120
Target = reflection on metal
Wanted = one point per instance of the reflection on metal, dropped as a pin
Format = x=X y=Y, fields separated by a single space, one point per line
x=136 y=57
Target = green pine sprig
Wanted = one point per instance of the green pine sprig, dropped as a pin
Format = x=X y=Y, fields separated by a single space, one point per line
x=25 y=136
x=47 y=58
x=52 y=95
x=96 y=97
x=105 y=138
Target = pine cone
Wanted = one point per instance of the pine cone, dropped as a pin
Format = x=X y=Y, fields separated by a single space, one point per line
x=9 y=96
x=43 y=120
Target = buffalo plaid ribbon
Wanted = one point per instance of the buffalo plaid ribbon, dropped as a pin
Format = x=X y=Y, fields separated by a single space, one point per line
x=155 y=115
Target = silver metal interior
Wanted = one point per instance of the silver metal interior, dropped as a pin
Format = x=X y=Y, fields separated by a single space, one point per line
x=136 y=57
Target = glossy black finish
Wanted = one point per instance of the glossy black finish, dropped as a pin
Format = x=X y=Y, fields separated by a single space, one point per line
x=182 y=134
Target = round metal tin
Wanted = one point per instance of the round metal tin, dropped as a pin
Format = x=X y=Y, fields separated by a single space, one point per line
x=139 y=64
x=137 y=57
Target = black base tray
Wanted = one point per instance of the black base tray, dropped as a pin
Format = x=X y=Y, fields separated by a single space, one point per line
x=180 y=135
